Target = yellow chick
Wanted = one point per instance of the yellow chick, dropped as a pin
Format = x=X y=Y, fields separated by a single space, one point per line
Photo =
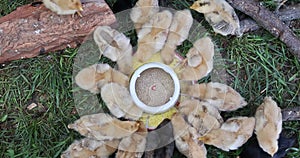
x=142 y=12
x=134 y=145
x=232 y=134
x=64 y=7
x=220 y=15
x=115 y=46
x=202 y=116
x=91 y=148
x=217 y=94
x=92 y=78
x=224 y=97
x=268 y=125
x=179 y=31
x=199 y=60
x=152 y=36
x=191 y=148
x=102 y=126
x=134 y=112
x=119 y=101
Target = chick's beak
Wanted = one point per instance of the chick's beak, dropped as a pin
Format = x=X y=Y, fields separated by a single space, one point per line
x=80 y=8
x=194 y=6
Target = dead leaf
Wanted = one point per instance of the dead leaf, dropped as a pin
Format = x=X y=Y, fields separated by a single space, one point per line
x=31 y=106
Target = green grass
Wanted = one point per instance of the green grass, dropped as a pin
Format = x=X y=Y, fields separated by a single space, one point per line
x=256 y=65
x=7 y=6
x=42 y=131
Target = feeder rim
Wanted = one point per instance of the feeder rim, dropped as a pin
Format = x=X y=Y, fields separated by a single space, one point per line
x=156 y=109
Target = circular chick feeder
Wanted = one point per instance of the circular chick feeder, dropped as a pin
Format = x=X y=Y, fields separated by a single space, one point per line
x=154 y=87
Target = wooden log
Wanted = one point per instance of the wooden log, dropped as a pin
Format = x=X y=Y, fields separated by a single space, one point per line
x=32 y=30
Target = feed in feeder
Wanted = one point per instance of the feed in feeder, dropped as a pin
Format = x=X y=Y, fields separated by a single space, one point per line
x=154 y=87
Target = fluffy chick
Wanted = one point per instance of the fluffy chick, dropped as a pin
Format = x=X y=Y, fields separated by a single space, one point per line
x=217 y=94
x=232 y=134
x=64 y=7
x=184 y=140
x=115 y=46
x=102 y=126
x=152 y=36
x=199 y=60
x=179 y=31
x=142 y=12
x=134 y=112
x=134 y=145
x=119 y=101
x=202 y=116
x=268 y=125
x=95 y=76
x=252 y=149
x=220 y=15
x=91 y=148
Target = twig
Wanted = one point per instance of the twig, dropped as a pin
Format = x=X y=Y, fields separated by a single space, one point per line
x=286 y=15
x=291 y=114
x=270 y=22
x=289 y=13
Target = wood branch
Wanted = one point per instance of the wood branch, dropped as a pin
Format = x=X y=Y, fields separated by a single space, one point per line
x=33 y=30
x=291 y=114
x=270 y=22
x=287 y=14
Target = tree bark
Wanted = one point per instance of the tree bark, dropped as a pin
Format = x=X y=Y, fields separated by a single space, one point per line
x=33 y=30
x=270 y=22
x=285 y=15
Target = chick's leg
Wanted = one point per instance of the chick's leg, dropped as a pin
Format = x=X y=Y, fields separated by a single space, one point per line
x=78 y=12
